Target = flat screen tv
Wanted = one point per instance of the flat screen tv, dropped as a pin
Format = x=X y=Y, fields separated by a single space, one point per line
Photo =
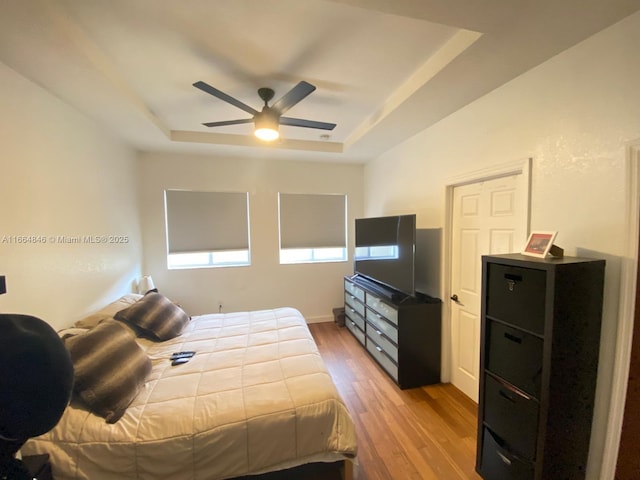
x=385 y=251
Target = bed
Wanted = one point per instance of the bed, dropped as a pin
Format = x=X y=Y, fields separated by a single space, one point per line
x=256 y=397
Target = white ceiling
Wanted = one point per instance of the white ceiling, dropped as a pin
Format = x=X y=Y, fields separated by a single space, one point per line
x=384 y=70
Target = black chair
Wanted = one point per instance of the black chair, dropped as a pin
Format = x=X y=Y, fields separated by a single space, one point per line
x=36 y=379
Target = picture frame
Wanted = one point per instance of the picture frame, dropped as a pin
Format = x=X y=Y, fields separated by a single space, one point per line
x=539 y=244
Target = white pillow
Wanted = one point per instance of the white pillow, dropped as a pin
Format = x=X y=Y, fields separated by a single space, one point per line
x=108 y=312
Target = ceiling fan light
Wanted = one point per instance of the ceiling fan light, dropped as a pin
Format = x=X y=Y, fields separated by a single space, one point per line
x=266 y=127
x=267 y=134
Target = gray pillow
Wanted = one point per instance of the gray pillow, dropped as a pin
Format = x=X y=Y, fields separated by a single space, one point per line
x=156 y=316
x=110 y=368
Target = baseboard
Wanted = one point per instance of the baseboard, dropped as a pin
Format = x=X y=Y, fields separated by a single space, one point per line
x=320 y=319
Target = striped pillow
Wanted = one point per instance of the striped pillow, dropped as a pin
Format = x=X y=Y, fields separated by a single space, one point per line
x=109 y=368
x=156 y=315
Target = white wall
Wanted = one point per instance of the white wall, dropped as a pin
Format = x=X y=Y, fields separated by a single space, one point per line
x=312 y=288
x=60 y=175
x=574 y=115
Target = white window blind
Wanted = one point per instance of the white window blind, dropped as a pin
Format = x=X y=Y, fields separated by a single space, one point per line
x=312 y=220
x=206 y=221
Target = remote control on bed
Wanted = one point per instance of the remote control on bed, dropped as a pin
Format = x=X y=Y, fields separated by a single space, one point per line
x=186 y=354
x=180 y=361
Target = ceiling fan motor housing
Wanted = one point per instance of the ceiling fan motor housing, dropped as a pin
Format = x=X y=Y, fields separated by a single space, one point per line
x=267 y=118
x=266 y=94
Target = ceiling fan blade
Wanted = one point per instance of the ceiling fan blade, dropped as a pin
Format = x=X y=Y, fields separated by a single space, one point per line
x=228 y=122
x=293 y=96
x=223 y=96
x=298 y=122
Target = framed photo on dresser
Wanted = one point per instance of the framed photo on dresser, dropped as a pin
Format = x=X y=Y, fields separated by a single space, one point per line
x=539 y=244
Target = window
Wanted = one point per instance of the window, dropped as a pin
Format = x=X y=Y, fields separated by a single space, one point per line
x=207 y=229
x=312 y=228
x=377 y=253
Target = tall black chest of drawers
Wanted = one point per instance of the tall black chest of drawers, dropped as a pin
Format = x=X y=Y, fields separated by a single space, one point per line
x=540 y=340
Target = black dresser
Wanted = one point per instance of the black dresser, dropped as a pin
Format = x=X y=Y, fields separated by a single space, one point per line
x=402 y=333
x=539 y=352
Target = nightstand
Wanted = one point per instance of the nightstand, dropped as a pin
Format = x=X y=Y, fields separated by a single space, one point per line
x=38 y=466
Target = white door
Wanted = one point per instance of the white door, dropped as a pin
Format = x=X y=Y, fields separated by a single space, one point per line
x=488 y=217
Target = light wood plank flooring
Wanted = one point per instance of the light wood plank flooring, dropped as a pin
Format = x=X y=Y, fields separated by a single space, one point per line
x=420 y=433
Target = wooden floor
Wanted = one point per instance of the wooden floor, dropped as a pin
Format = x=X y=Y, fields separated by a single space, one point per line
x=420 y=433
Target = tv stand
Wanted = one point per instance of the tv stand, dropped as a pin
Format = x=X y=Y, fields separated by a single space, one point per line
x=401 y=332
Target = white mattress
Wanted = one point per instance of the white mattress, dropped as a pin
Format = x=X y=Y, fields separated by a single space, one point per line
x=256 y=397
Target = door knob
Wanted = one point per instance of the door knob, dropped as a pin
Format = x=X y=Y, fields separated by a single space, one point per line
x=454 y=297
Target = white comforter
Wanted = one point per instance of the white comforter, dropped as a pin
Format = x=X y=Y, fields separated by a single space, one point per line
x=256 y=397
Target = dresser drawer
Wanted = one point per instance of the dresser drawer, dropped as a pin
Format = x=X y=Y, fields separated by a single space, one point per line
x=515 y=356
x=353 y=316
x=382 y=308
x=353 y=328
x=517 y=296
x=497 y=463
x=378 y=353
x=381 y=324
x=354 y=290
x=376 y=335
x=511 y=415
x=353 y=303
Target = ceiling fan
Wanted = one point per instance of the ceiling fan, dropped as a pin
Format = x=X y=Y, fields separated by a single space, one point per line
x=268 y=120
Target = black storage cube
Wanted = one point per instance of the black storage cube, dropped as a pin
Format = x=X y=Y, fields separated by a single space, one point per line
x=512 y=416
x=499 y=464
x=515 y=356
x=517 y=296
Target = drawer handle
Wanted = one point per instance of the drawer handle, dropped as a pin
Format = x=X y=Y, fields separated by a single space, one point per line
x=379 y=349
x=378 y=332
x=512 y=280
x=352 y=310
x=506 y=396
x=353 y=323
x=512 y=394
x=513 y=338
x=504 y=459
